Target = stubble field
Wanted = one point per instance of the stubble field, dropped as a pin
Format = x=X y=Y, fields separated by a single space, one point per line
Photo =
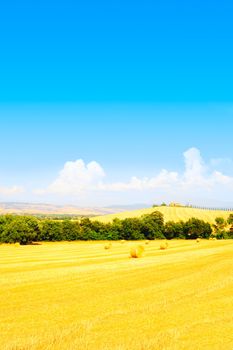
x=169 y=213
x=69 y=296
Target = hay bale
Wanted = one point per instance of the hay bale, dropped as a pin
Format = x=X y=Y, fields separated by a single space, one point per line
x=163 y=245
x=122 y=241
x=137 y=252
x=147 y=242
x=108 y=246
x=198 y=240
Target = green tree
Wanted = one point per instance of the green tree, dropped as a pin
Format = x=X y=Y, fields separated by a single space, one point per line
x=132 y=229
x=116 y=229
x=153 y=225
x=2 y=224
x=174 y=230
x=70 y=230
x=92 y=230
x=195 y=228
x=230 y=222
x=21 y=229
x=51 y=231
x=230 y=219
x=220 y=228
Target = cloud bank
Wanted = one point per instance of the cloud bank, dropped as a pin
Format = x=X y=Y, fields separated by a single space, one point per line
x=78 y=178
x=10 y=191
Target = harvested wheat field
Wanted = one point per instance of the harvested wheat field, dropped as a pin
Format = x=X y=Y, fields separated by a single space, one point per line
x=170 y=213
x=70 y=296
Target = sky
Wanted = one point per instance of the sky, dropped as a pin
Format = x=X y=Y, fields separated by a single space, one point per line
x=116 y=103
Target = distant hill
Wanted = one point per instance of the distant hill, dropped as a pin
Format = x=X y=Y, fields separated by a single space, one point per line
x=170 y=213
x=124 y=207
x=107 y=214
x=52 y=209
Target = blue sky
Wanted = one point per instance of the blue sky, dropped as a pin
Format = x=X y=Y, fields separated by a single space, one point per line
x=130 y=86
x=116 y=51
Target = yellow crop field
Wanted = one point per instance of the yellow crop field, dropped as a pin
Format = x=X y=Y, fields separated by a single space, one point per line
x=68 y=296
x=170 y=213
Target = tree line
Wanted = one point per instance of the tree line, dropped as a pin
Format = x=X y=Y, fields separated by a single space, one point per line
x=28 y=229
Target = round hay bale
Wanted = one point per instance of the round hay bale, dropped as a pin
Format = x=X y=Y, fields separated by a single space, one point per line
x=122 y=241
x=163 y=246
x=137 y=252
x=17 y=244
x=198 y=240
x=147 y=242
x=108 y=246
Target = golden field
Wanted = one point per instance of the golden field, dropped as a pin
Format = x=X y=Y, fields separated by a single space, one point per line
x=70 y=296
x=170 y=213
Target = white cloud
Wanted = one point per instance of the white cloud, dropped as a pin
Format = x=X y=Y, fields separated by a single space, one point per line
x=10 y=191
x=75 y=177
x=163 y=180
x=218 y=178
x=194 y=168
x=78 y=178
x=198 y=175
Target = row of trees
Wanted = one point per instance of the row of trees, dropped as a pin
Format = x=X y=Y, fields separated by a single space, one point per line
x=28 y=229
